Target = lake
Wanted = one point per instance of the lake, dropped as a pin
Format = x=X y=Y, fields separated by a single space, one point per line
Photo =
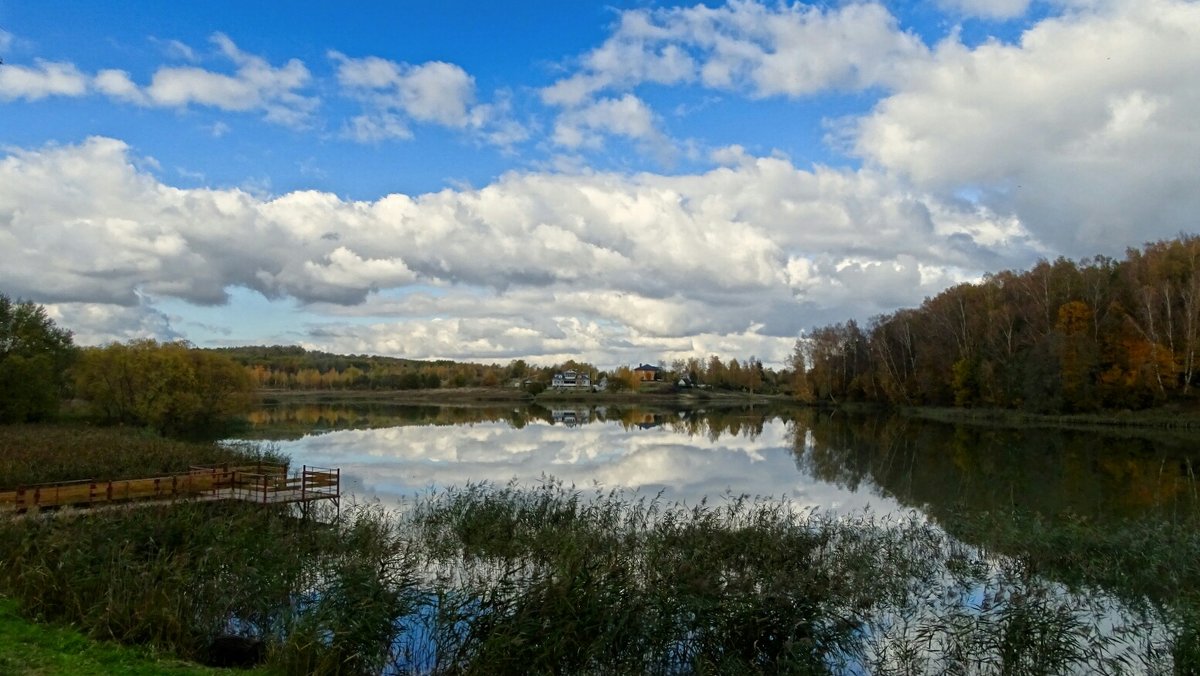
x=938 y=547
x=833 y=462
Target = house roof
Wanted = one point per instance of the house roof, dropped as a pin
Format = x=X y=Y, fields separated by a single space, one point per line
x=647 y=367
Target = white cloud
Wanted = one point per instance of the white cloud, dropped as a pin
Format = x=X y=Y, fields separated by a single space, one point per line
x=434 y=92
x=178 y=50
x=988 y=9
x=118 y=85
x=756 y=49
x=97 y=324
x=255 y=86
x=1085 y=129
x=375 y=128
x=628 y=117
x=553 y=265
x=759 y=49
x=6 y=40
x=44 y=79
x=437 y=92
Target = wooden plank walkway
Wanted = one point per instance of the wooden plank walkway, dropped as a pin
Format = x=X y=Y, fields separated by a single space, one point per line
x=261 y=483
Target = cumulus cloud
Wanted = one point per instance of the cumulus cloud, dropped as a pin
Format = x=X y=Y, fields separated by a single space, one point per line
x=118 y=85
x=434 y=92
x=1085 y=129
x=97 y=324
x=534 y=264
x=255 y=85
x=750 y=47
x=43 y=79
x=988 y=9
x=586 y=126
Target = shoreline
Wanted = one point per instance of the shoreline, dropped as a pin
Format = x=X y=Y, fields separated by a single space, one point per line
x=1173 y=418
x=489 y=396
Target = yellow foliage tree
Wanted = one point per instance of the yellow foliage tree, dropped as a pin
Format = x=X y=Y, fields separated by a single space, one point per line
x=169 y=386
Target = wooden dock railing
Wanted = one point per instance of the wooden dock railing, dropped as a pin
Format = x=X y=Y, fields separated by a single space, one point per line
x=260 y=483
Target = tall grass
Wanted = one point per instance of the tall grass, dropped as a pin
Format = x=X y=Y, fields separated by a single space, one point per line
x=551 y=580
x=32 y=454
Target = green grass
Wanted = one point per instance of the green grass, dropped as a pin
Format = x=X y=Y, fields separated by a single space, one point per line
x=29 y=648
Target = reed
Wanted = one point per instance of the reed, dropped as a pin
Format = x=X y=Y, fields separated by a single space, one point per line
x=33 y=454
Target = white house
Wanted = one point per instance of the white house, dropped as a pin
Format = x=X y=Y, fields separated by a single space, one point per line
x=571 y=379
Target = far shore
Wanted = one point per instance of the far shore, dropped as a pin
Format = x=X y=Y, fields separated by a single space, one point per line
x=1173 y=417
x=492 y=395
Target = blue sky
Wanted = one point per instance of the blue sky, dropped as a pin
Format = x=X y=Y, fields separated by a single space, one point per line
x=617 y=182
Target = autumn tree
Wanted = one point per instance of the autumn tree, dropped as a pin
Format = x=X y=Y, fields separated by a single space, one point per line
x=1062 y=336
x=1077 y=355
x=170 y=387
x=798 y=363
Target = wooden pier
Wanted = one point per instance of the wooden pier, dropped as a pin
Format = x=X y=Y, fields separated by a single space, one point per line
x=265 y=484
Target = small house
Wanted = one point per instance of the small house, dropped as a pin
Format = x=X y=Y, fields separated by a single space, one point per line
x=571 y=379
x=646 y=373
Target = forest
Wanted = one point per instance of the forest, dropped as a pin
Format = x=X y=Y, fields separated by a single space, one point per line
x=1062 y=337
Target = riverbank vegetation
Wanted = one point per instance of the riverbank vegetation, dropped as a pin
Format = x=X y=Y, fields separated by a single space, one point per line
x=1064 y=336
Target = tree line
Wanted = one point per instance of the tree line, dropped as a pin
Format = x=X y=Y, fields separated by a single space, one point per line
x=177 y=388
x=170 y=387
x=1063 y=336
x=295 y=368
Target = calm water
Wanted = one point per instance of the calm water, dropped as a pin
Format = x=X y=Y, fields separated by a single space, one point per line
x=834 y=462
x=1000 y=599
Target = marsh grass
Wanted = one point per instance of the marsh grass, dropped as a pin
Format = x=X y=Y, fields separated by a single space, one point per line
x=32 y=454
x=552 y=580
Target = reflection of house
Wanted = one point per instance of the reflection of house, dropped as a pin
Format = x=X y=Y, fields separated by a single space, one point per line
x=646 y=373
x=571 y=379
x=569 y=417
x=646 y=421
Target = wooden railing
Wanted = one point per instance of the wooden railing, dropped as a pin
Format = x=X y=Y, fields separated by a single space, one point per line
x=260 y=483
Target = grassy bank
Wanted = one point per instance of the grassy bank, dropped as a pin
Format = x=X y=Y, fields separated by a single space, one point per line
x=28 y=648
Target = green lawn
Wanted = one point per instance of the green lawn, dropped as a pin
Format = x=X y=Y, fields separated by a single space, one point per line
x=43 y=650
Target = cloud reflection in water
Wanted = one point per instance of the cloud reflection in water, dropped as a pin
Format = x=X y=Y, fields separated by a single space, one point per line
x=394 y=463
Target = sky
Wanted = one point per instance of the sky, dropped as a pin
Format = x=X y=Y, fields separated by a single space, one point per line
x=618 y=182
